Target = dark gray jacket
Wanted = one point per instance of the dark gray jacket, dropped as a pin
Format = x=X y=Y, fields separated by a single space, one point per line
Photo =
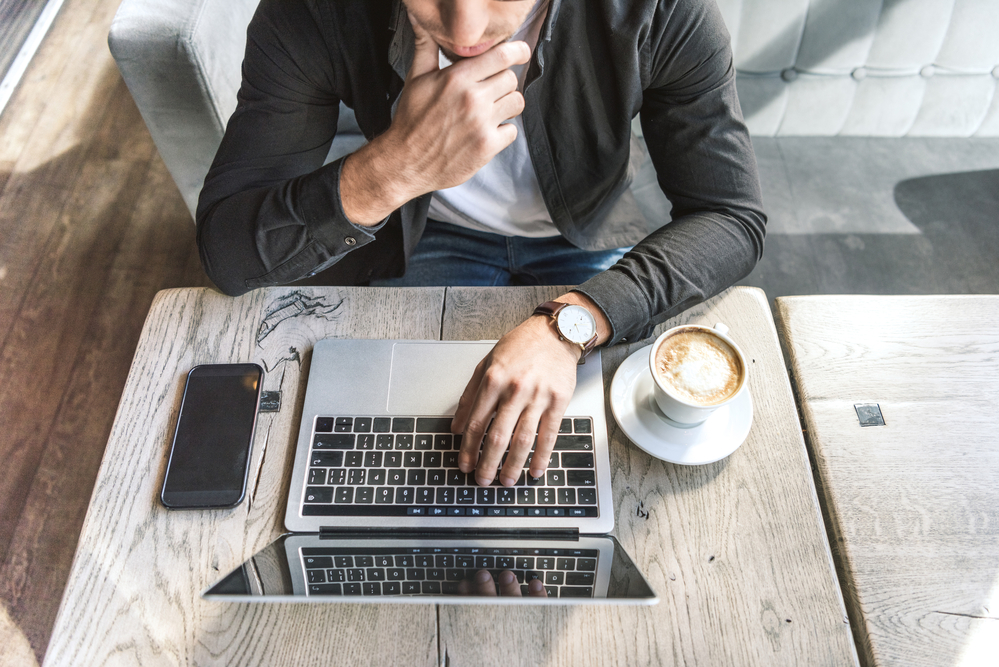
x=270 y=212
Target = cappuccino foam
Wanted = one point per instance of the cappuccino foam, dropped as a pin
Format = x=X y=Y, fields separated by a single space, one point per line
x=698 y=367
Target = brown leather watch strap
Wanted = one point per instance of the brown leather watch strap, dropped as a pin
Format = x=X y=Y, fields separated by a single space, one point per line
x=550 y=308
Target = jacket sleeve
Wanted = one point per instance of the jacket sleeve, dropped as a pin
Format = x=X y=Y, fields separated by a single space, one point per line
x=270 y=212
x=704 y=162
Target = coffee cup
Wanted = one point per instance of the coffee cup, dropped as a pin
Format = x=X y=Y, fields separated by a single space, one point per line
x=696 y=370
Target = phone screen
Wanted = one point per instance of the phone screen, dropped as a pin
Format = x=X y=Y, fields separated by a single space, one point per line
x=211 y=447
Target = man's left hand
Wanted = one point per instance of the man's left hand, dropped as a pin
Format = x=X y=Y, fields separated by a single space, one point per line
x=527 y=380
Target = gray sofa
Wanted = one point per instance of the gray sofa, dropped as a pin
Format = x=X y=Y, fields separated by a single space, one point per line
x=897 y=68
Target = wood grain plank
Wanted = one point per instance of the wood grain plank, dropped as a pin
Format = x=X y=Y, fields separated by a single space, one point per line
x=736 y=550
x=912 y=506
x=155 y=254
x=48 y=328
x=132 y=597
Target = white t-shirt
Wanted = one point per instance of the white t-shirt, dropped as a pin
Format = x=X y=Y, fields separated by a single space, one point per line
x=504 y=196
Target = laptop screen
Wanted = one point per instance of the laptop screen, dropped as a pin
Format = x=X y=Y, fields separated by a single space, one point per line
x=438 y=569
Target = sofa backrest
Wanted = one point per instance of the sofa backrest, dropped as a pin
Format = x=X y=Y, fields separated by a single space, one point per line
x=804 y=67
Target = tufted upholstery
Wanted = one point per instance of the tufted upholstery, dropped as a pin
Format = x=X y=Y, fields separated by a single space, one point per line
x=867 y=67
x=805 y=67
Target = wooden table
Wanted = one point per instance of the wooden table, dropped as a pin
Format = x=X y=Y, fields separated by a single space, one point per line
x=736 y=550
x=913 y=506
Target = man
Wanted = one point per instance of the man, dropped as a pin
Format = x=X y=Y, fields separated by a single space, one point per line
x=271 y=213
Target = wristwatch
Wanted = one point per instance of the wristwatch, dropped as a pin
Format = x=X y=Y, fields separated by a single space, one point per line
x=573 y=323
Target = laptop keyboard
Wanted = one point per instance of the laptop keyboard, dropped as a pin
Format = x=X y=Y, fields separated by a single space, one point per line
x=408 y=466
x=445 y=570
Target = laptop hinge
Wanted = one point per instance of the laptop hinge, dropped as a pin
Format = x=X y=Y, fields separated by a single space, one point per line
x=338 y=532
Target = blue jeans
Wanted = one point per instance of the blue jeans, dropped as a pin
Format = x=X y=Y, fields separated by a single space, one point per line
x=449 y=255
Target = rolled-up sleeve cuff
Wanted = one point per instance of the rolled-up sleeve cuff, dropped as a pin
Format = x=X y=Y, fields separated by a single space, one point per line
x=624 y=304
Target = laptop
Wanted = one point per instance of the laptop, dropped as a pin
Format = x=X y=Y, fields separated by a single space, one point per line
x=378 y=511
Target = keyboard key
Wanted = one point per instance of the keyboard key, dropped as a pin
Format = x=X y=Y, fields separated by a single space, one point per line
x=325 y=589
x=375 y=574
x=576 y=511
x=416 y=477
x=456 y=478
x=412 y=459
x=327 y=459
x=433 y=425
x=404 y=561
x=450 y=460
x=565 y=563
x=525 y=496
x=383 y=441
x=535 y=481
x=443 y=442
x=445 y=495
x=437 y=477
x=577 y=460
x=465 y=496
x=578 y=578
x=425 y=496
x=324 y=424
x=586 y=564
x=376 y=476
x=416 y=511
x=364 y=561
x=504 y=562
x=318 y=494
x=318 y=561
x=567 y=496
x=432 y=459
x=546 y=563
x=444 y=560
x=392 y=460
x=535 y=511
x=465 y=561
x=576 y=592
x=381 y=425
x=485 y=496
x=344 y=561
x=423 y=441
x=336 y=575
x=372 y=589
x=555 y=578
x=410 y=588
x=431 y=588
x=437 y=511
x=362 y=425
x=364 y=495
x=334 y=441
x=495 y=511
x=383 y=561
x=404 y=495
x=344 y=425
x=587 y=496
x=423 y=560
x=556 y=477
x=435 y=573
x=343 y=495
x=580 y=478
x=555 y=511
x=366 y=441
x=352 y=589
x=404 y=441
x=372 y=459
x=475 y=511
x=574 y=443
x=317 y=476
x=353 y=459
x=355 y=476
x=383 y=496
x=355 y=574
x=336 y=476
x=391 y=588
x=524 y=563
x=565 y=426
x=317 y=576
x=581 y=425
x=456 y=511
x=506 y=496
x=396 y=477
x=403 y=424
x=515 y=511
x=546 y=496
x=416 y=573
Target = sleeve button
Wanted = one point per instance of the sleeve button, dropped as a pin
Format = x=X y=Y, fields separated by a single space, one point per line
x=350 y=240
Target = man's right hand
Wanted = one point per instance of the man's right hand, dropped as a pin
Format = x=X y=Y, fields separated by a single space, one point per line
x=448 y=125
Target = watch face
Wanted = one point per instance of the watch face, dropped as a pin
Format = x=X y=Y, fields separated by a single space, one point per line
x=576 y=324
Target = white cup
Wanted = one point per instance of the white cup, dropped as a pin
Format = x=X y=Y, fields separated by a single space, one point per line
x=682 y=409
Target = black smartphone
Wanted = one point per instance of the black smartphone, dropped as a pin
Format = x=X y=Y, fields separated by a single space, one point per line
x=210 y=455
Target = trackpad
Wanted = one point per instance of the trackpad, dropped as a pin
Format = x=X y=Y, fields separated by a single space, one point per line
x=428 y=378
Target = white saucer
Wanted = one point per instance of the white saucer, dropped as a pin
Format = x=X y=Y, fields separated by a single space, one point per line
x=643 y=422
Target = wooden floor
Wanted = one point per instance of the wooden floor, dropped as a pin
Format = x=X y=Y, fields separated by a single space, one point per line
x=91 y=227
